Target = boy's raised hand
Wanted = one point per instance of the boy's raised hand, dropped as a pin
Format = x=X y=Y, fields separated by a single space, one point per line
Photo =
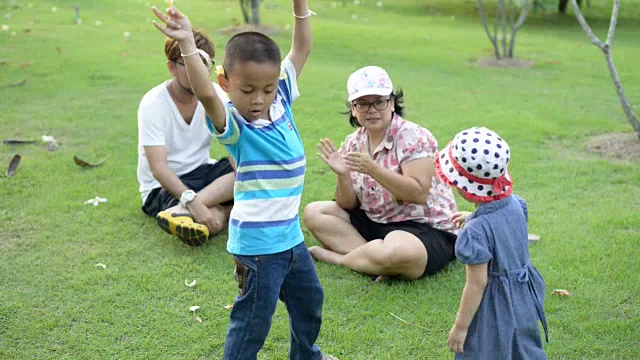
x=176 y=25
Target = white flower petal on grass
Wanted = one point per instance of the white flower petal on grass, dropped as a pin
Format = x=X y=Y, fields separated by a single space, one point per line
x=356 y=2
x=228 y=307
x=48 y=139
x=379 y=4
x=98 y=22
x=95 y=201
x=354 y=16
x=198 y=319
x=127 y=34
x=194 y=308
x=54 y=9
x=5 y=27
x=334 y=4
x=101 y=265
x=190 y=284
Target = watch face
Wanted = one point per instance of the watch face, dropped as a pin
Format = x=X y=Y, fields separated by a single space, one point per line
x=187 y=196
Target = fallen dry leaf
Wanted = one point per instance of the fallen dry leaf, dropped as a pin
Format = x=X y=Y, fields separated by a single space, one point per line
x=60 y=50
x=561 y=292
x=17 y=142
x=27 y=30
x=17 y=83
x=25 y=64
x=3 y=62
x=85 y=164
x=13 y=165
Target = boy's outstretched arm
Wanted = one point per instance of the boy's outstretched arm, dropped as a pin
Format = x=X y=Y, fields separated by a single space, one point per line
x=177 y=26
x=301 y=40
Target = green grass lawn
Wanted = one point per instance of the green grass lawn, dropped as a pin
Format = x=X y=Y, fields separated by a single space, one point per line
x=84 y=83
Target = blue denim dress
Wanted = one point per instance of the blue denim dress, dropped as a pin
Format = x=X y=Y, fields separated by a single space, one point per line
x=506 y=324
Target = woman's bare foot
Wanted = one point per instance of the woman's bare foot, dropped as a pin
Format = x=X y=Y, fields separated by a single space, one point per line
x=325 y=255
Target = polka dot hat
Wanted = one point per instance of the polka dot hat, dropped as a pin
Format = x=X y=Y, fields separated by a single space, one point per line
x=476 y=163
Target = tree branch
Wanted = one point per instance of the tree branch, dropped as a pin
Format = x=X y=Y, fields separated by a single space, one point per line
x=606 y=49
x=594 y=39
x=486 y=28
x=614 y=22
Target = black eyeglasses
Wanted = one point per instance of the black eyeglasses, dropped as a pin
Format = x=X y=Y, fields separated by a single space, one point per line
x=363 y=106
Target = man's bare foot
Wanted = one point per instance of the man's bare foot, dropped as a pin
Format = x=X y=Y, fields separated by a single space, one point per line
x=325 y=255
x=178 y=209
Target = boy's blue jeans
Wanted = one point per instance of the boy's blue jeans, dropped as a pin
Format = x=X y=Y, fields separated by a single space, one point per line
x=289 y=276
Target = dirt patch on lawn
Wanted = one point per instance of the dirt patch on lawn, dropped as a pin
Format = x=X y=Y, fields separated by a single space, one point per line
x=622 y=146
x=504 y=63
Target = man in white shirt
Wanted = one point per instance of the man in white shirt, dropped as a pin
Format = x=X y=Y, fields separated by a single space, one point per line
x=189 y=193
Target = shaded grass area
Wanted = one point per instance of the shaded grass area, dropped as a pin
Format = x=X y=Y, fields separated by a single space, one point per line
x=55 y=303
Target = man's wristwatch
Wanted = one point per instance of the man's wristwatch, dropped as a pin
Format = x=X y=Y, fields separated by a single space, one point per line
x=187 y=197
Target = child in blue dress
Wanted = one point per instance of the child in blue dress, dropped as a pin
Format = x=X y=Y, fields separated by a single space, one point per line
x=503 y=298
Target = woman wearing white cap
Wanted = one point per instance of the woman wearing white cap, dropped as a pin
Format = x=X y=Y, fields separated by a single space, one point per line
x=390 y=216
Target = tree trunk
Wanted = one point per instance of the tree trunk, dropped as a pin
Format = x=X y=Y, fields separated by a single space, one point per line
x=255 y=12
x=562 y=6
x=524 y=12
x=245 y=14
x=606 y=49
x=503 y=10
x=486 y=29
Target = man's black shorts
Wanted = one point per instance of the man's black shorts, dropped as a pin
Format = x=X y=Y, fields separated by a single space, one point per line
x=159 y=199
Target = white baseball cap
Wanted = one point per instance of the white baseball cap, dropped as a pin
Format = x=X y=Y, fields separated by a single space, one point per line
x=369 y=80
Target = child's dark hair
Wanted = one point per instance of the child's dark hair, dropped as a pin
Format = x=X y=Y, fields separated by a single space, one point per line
x=250 y=46
x=172 y=50
x=398 y=108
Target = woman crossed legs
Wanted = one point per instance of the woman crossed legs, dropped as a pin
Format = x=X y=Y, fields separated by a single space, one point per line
x=400 y=249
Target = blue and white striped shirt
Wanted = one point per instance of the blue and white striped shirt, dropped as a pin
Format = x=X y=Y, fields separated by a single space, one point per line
x=270 y=171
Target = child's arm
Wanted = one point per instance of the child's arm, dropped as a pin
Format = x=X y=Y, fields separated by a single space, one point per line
x=458 y=219
x=301 y=39
x=469 y=303
x=178 y=27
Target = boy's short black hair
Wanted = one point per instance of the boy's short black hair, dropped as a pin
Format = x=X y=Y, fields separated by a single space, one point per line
x=398 y=108
x=250 y=46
